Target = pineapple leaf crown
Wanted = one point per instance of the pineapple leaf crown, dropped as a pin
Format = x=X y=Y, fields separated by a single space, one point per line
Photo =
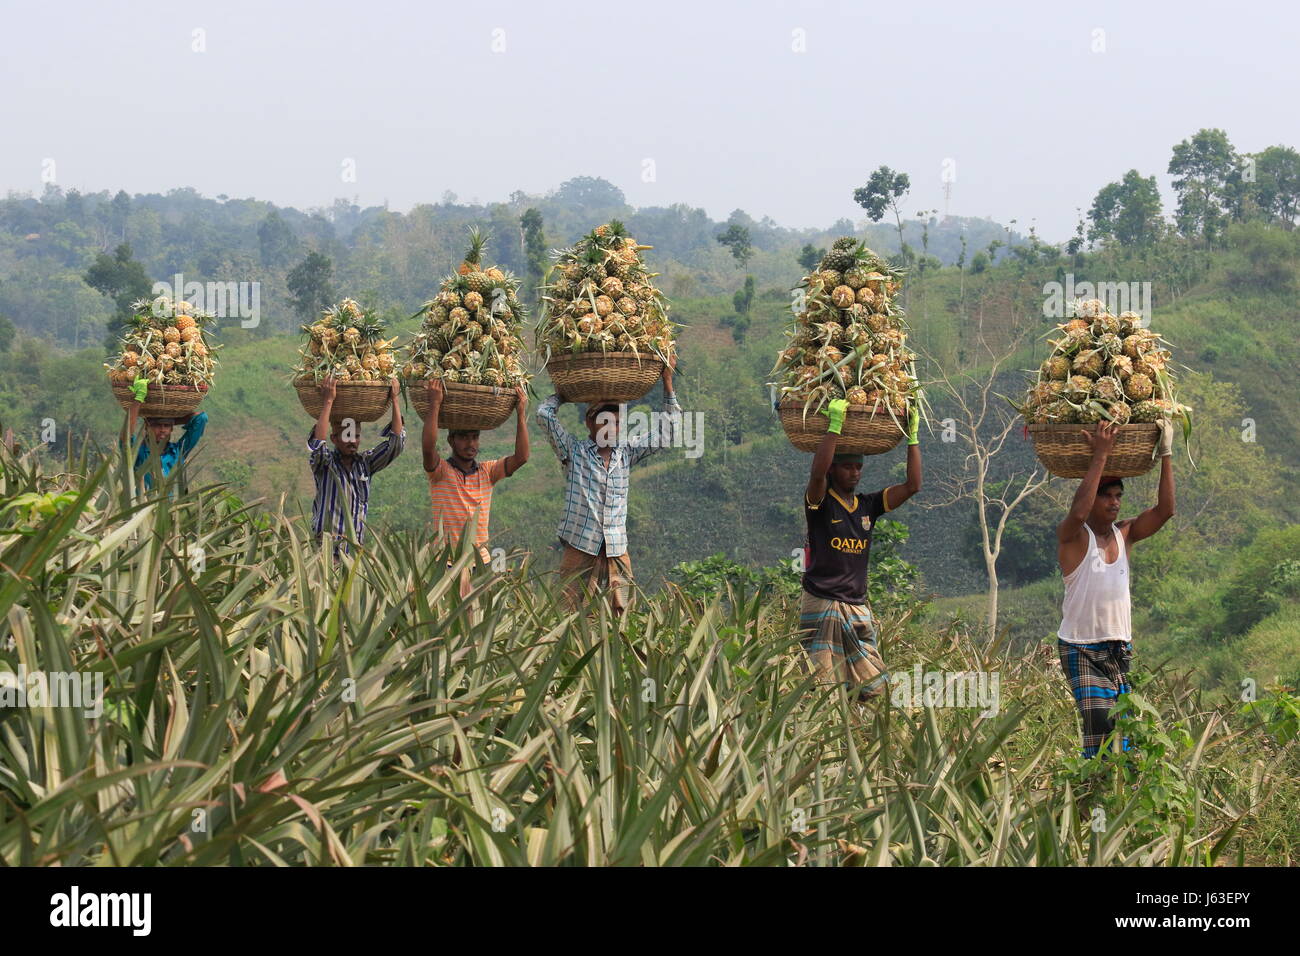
x=477 y=245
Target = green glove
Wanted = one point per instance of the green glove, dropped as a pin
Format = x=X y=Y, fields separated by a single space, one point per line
x=140 y=388
x=836 y=410
x=914 y=423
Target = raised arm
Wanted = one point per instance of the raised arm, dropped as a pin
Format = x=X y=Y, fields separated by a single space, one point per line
x=429 y=436
x=1102 y=440
x=825 y=453
x=520 y=457
x=395 y=392
x=671 y=422
x=559 y=437
x=194 y=426
x=895 y=495
x=328 y=389
x=1153 y=519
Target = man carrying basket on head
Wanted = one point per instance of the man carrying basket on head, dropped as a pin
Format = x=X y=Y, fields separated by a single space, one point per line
x=159 y=432
x=593 y=526
x=839 y=631
x=461 y=486
x=342 y=473
x=1095 y=639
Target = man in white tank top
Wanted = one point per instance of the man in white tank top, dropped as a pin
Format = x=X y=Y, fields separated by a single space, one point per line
x=1095 y=639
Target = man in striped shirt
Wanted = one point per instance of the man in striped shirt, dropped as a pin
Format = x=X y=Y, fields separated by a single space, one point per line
x=460 y=485
x=342 y=474
x=593 y=527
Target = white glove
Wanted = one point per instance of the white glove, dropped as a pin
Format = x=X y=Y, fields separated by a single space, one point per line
x=1165 y=446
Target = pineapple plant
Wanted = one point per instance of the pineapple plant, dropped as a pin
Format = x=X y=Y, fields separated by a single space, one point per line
x=601 y=297
x=165 y=343
x=848 y=339
x=1110 y=369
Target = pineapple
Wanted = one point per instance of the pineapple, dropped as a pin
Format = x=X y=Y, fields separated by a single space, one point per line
x=842 y=297
x=1139 y=387
x=1107 y=389
x=1057 y=368
x=184 y=321
x=171 y=334
x=1088 y=363
x=473 y=301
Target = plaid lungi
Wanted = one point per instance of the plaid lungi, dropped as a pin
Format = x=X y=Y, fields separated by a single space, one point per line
x=1098 y=674
x=593 y=574
x=840 y=640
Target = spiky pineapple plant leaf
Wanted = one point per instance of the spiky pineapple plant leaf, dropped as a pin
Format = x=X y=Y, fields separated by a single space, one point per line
x=848 y=338
x=1104 y=368
x=601 y=298
x=470 y=332
x=346 y=342
x=166 y=343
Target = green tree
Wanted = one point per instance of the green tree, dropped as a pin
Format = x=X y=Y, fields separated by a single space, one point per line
x=276 y=241
x=534 y=250
x=1277 y=185
x=1127 y=212
x=7 y=332
x=310 y=286
x=122 y=279
x=1205 y=166
x=885 y=192
x=736 y=238
x=810 y=256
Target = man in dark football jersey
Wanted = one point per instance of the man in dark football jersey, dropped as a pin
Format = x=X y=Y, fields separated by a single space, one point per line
x=839 y=632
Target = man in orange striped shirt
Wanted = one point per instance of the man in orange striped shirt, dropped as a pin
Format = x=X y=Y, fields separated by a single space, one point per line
x=461 y=486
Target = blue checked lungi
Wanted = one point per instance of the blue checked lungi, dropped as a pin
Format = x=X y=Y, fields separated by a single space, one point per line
x=840 y=640
x=1098 y=674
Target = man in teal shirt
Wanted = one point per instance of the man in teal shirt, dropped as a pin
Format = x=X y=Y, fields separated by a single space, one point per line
x=160 y=433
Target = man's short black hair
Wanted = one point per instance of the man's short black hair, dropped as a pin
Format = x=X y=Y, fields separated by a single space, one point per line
x=462 y=432
x=1109 y=481
x=598 y=407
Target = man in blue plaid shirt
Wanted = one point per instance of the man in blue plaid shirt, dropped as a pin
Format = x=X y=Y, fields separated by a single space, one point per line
x=593 y=527
x=342 y=474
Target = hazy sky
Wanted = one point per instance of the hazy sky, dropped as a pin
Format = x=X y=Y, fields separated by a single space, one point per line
x=706 y=103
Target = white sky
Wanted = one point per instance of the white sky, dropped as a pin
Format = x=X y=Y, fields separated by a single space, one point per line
x=711 y=92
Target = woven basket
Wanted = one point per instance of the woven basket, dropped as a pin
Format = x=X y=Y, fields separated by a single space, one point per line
x=466 y=407
x=359 y=401
x=162 y=401
x=865 y=431
x=1065 y=452
x=604 y=376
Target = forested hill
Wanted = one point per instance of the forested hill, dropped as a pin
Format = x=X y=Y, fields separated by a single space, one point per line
x=393 y=259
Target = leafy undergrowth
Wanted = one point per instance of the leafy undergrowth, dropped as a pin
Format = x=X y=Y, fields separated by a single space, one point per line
x=264 y=705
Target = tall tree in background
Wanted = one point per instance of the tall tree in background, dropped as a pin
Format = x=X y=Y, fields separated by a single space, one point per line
x=1127 y=212
x=534 y=251
x=1277 y=185
x=1207 y=169
x=120 y=277
x=810 y=256
x=310 y=286
x=275 y=240
x=736 y=238
x=885 y=192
